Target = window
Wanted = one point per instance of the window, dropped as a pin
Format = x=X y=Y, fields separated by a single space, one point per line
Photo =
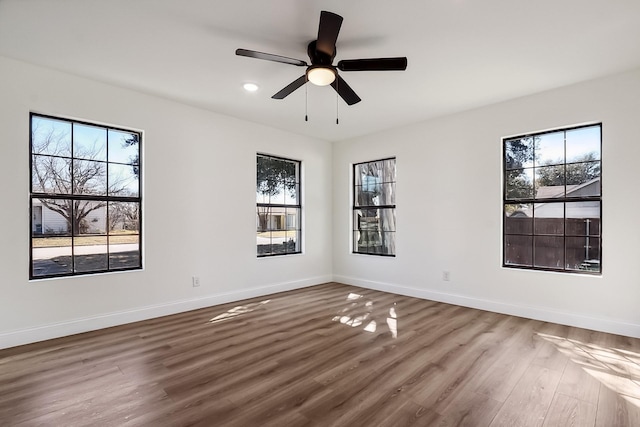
x=85 y=198
x=278 y=208
x=553 y=200
x=374 y=207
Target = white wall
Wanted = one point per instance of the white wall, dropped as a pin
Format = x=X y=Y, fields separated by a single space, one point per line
x=449 y=209
x=199 y=209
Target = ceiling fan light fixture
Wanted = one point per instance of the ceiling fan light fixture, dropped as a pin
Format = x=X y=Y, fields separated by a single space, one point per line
x=250 y=87
x=321 y=76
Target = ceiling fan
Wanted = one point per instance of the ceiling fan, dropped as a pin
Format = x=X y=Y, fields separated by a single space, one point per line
x=321 y=52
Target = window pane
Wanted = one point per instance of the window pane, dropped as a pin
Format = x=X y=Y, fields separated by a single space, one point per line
x=292 y=242
x=549 y=252
x=518 y=153
x=89 y=142
x=519 y=184
x=518 y=219
x=263 y=242
x=518 y=250
x=549 y=219
x=90 y=253
x=387 y=195
x=387 y=219
x=50 y=136
x=51 y=175
x=583 y=144
x=124 y=219
x=583 y=179
x=388 y=246
x=550 y=182
x=583 y=253
x=51 y=255
x=583 y=218
x=90 y=217
x=57 y=215
x=389 y=171
x=292 y=219
x=89 y=177
x=123 y=180
x=549 y=149
x=124 y=147
x=124 y=251
x=291 y=193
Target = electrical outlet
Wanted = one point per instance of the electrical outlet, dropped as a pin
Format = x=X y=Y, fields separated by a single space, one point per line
x=195 y=281
x=446 y=276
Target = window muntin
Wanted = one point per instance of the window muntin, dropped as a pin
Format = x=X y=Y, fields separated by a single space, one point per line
x=374 y=207
x=85 y=199
x=553 y=201
x=278 y=207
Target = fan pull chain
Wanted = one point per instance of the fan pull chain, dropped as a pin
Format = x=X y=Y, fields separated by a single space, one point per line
x=306 y=102
x=337 y=103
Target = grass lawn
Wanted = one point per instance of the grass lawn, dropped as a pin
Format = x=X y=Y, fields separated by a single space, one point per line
x=50 y=242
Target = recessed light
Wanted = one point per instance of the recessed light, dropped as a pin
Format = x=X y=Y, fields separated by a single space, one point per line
x=250 y=87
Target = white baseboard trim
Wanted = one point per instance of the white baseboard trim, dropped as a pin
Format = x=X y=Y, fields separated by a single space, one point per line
x=76 y=326
x=529 y=312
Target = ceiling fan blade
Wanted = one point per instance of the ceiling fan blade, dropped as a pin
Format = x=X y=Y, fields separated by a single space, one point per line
x=373 y=64
x=287 y=90
x=328 y=30
x=345 y=91
x=270 y=57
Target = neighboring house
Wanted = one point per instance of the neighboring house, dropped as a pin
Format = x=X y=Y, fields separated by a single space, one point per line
x=555 y=210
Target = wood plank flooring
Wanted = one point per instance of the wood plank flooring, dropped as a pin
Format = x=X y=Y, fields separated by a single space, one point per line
x=329 y=355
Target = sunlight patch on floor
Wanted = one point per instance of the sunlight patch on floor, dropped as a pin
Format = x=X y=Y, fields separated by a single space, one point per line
x=618 y=370
x=359 y=312
x=237 y=311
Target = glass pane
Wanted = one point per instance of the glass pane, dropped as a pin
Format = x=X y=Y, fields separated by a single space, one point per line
x=386 y=195
x=519 y=184
x=548 y=218
x=292 y=242
x=583 y=144
x=583 y=253
x=124 y=251
x=124 y=220
x=388 y=246
x=389 y=171
x=583 y=218
x=51 y=175
x=263 y=242
x=549 y=148
x=583 y=179
x=518 y=250
x=549 y=252
x=548 y=226
x=518 y=153
x=124 y=147
x=123 y=180
x=550 y=182
x=89 y=142
x=387 y=219
x=89 y=177
x=90 y=253
x=518 y=219
x=291 y=193
x=51 y=255
x=292 y=219
x=90 y=217
x=50 y=136
x=56 y=216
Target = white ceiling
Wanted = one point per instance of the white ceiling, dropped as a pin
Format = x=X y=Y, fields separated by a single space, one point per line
x=461 y=53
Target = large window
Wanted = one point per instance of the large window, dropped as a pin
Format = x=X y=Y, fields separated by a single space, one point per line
x=374 y=207
x=278 y=208
x=553 y=200
x=85 y=198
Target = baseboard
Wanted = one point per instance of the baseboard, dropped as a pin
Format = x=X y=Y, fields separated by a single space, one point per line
x=76 y=326
x=536 y=313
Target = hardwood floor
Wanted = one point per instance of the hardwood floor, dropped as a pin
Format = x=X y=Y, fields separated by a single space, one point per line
x=330 y=355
